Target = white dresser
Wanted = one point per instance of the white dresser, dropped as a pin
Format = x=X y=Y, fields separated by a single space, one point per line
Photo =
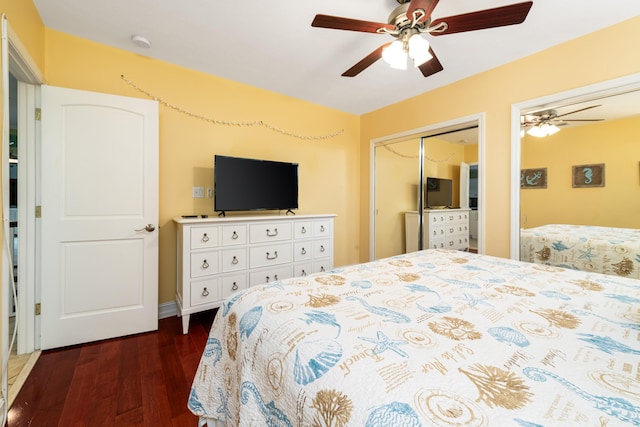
x=442 y=229
x=218 y=256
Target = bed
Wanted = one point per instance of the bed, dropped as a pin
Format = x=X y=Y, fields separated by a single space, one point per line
x=430 y=338
x=606 y=250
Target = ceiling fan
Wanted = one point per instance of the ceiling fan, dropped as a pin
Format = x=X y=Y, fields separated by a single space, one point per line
x=546 y=122
x=411 y=19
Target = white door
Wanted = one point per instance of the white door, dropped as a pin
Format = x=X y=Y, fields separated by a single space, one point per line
x=99 y=265
x=464 y=185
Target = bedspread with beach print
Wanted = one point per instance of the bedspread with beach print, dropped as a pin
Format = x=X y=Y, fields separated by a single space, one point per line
x=431 y=338
x=606 y=250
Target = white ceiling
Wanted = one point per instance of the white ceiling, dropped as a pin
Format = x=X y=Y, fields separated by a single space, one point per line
x=271 y=44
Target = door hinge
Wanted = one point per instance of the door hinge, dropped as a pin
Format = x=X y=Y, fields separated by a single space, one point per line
x=38 y=211
x=38 y=308
x=38 y=114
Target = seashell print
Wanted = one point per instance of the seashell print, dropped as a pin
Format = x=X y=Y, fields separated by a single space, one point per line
x=249 y=321
x=408 y=277
x=323 y=300
x=544 y=254
x=459 y=260
x=455 y=329
x=393 y=414
x=509 y=336
x=333 y=408
x=194 y=403
x=331 y=280
x=314 y=359
x=363 y=284
x=624 y=267
x=213 y=350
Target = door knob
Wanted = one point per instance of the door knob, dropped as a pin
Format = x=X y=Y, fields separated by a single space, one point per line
x=148 y=227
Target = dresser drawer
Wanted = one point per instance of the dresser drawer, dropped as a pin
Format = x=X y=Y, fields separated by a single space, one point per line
x=266 y=255
x=436 y=218
x=322 y=248
x=231 y=284
x=234 y=235
x=322 y=265
x=302 y=230
x=322 y=228
x=204 y=263
x=269 y=232
x=437 y=244
x=270 y=275
x=303 y=250
x=234 y=260
x=303 y=269
x=437 y=232
x=204 y=237
x=205 y=291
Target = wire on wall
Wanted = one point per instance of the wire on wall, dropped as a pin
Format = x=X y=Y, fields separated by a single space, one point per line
x=255 y=123
x=406 y=156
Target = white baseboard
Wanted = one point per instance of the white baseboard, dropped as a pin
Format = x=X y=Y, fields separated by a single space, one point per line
x=167 y=309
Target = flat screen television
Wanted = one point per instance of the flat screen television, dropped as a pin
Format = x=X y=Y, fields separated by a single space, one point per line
x=438 y=193
x=242 y=184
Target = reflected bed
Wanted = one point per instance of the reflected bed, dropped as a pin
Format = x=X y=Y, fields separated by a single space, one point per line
x=606 y=250
x=430 y=338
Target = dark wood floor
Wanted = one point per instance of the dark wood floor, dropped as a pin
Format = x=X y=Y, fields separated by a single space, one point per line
x=140 y=380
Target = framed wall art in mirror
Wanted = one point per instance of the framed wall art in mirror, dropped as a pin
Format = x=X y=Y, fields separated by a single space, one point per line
x=533 y=178
x=585 y=176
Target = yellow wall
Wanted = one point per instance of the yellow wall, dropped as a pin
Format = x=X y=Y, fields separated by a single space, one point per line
x=564 y=67
x=328 y=169
x=617 y=204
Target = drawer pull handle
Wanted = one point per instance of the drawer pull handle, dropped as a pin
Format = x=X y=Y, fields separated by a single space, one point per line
x=275 y=276
x=303 y=230
x=205 y=264
x=304 y=273
x=275 y=255
x=205 y=292
x=205 y=238
x=322 y=228
x=303 y=251
x=321 y=248
x=234 y=261
x=275 y=232
x=234 y=236
x=234 y=287
x=322 y=268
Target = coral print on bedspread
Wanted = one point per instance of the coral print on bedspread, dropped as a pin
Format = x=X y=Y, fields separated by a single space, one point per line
x=431 y=338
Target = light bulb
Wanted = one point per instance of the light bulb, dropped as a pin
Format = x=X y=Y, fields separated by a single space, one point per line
x=419 y=50
x=543 y=130
x=395 y=56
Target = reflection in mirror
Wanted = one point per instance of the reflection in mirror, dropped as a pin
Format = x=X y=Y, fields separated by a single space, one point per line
x=396 y=183
x=580 y=186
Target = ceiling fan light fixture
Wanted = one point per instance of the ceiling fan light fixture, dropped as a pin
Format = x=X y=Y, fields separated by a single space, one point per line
x=543 y=130
x=419 y=50
x=395 y=55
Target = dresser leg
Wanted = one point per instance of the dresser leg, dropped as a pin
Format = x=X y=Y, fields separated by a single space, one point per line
x=185 y=323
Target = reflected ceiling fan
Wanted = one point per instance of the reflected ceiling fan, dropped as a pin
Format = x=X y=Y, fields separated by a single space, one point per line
x=547 y=122
x=412 y=18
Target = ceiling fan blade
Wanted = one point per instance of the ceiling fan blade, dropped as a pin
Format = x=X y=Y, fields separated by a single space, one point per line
x=582 y=120
x=365 y=62
x=426 y=5
x=577 y=111
x=483 y=19
x=339 y=23
x=432 y=66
